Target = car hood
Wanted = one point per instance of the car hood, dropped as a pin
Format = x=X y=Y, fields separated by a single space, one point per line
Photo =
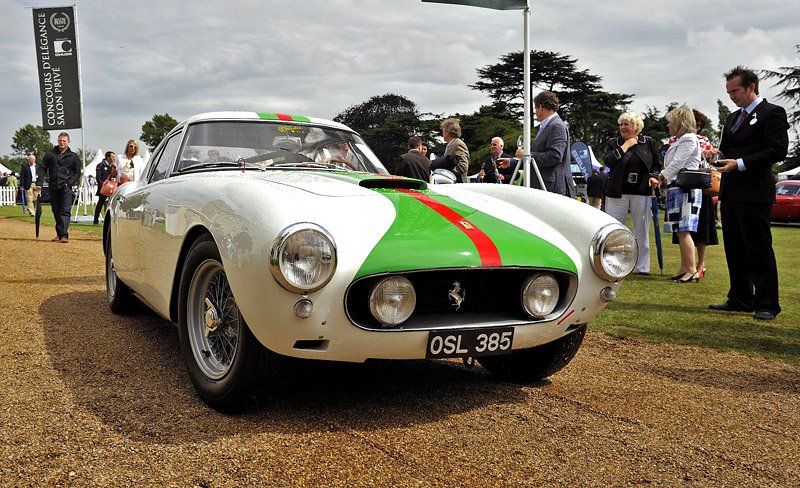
x=430 y=230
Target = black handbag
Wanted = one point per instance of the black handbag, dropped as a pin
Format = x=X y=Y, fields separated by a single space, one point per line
x=691 y=179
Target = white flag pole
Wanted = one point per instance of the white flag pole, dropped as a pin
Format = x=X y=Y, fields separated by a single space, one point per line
x=526 y=77
x=526 y=120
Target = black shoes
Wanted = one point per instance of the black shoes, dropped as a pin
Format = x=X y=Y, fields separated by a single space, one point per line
x=728 y=307
x=764 y=315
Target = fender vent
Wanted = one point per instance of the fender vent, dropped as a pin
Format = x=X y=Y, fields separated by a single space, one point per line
x=400 y=183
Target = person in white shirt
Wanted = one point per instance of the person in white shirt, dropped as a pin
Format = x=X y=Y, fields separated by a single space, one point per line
x=129 y=163
x=683 y=205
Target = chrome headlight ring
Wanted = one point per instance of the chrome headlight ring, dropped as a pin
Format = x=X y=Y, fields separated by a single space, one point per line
x=614 y=252
x=303 y=257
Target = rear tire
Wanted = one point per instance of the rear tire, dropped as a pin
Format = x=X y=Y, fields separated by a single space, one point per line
x=119 y=296
x=537 y=363
x=225 y=362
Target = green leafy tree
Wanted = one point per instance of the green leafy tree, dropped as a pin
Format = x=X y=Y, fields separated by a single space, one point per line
x=14 y=163
x=31 y=139
x=723 y=112
x=154 y=130
x=590 y=112
x=386 y=122
x=90 y=154
x=788 y=79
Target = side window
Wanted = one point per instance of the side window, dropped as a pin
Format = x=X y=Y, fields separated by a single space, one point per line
x=166 y=159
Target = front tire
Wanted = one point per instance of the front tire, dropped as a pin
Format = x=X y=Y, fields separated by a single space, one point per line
x=119 y=296
x=224 y=360
x=536 y=363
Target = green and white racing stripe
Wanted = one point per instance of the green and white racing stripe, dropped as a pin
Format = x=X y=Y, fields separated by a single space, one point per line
x=435 y=231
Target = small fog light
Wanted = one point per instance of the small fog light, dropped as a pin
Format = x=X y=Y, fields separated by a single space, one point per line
x=607 y=294
x=303 y=308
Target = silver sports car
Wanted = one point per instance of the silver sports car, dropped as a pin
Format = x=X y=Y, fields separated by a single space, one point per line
x=267 y=235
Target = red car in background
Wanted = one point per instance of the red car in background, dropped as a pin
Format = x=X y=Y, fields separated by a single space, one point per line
x=787 y=204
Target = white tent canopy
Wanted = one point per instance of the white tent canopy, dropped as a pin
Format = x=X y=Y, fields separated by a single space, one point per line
x=90 y=168
x=785 y=175
x=3 y=169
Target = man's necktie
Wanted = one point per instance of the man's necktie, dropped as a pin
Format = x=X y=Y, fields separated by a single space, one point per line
x=739 y=120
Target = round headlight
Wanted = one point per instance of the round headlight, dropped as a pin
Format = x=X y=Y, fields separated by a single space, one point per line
x=614 y=252
x=303 y=258
x=540 y=295
x=392 y=300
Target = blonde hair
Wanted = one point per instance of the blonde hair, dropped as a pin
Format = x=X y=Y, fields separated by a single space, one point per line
x=634 y=118
x=131 y=141
x=682 y=120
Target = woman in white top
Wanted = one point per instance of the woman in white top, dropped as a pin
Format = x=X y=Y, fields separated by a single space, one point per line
x=130 y=163
x=683 y=206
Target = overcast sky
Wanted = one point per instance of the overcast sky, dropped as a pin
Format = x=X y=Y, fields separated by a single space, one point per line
x=318 y=57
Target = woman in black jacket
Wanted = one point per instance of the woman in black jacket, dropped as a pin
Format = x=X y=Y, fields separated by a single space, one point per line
x=635 y=162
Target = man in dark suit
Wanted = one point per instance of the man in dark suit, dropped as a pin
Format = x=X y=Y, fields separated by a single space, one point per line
x=550 y=148
x=105 y=168
x=28 y=183
x=413 y=164
x=754 y=138
x=493 y=170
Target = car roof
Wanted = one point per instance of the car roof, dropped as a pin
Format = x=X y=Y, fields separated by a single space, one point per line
x=276 y=116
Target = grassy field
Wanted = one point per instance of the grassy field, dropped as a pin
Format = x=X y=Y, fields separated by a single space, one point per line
x=654 y=309
x=48 y=221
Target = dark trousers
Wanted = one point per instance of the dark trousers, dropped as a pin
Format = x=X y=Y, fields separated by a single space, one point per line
x=751 y=260
x=101 y=206
x=61 y=203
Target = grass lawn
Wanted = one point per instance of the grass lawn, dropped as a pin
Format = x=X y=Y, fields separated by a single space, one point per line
x=654 y=309
x=48 y=221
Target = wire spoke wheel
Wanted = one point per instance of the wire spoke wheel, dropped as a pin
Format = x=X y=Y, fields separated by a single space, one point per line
x=214 y=324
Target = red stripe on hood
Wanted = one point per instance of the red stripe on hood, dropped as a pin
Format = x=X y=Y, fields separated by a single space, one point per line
x=487 y=251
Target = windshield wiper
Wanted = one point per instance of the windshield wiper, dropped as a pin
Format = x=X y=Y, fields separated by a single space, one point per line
x=209 y=164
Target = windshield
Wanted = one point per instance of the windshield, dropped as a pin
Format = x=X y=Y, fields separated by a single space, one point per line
x=273 y=145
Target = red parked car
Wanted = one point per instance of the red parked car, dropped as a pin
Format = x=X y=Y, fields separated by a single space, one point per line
x=787 y=205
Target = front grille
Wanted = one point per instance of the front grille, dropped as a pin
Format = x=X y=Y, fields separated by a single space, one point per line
x=490 y=295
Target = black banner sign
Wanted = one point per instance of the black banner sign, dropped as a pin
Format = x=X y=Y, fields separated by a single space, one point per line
x=57 y=57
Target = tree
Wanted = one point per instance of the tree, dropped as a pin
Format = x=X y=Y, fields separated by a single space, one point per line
x=90 y=154
x=153 y=131
x=590 y=112
x=386 y=122
x=31 y=139
x=788 y=78
x=723 y=113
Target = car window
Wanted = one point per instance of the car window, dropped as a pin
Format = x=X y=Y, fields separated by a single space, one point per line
x=789 y=190
x=275 y=145
x=166 y=159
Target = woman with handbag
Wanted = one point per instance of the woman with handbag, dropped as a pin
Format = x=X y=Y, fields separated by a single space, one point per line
x=706 y=234
x=635 y=161
x=130 y=164
x=683 y=203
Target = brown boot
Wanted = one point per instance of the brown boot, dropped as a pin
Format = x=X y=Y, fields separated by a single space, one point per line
x=56 y=239
x=64 y=240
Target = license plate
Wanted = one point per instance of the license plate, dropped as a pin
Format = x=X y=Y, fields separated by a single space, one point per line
x=464 y=343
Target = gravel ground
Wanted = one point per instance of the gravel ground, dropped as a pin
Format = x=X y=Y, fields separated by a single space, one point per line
x=89 y=398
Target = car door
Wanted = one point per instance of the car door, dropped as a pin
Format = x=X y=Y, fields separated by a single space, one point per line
x=158 y=244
